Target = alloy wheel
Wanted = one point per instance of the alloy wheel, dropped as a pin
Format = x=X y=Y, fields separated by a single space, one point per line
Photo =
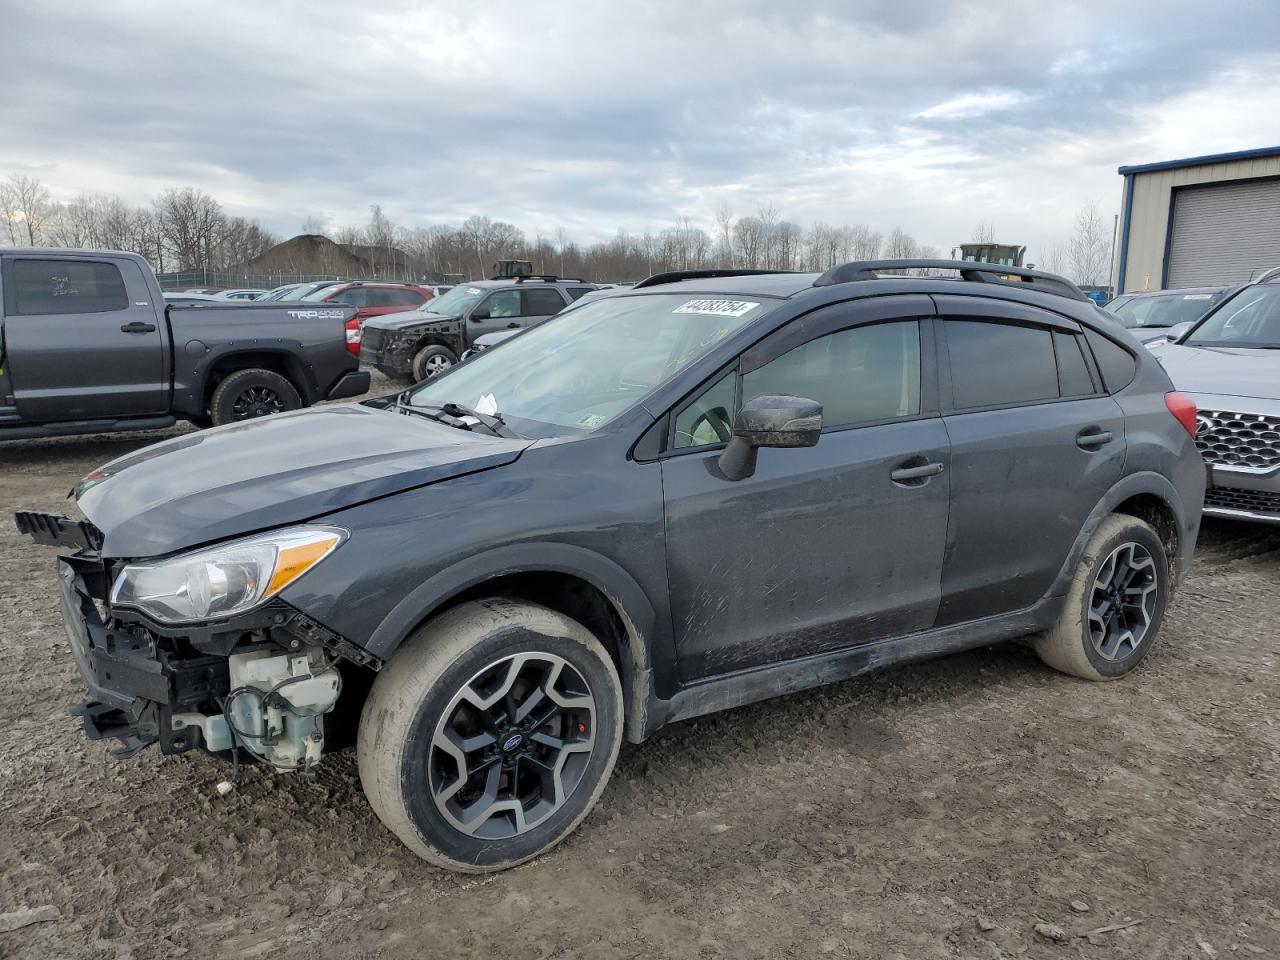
x=436 y=363
x=512 y=745
x=1122 y=602
x=256 y=402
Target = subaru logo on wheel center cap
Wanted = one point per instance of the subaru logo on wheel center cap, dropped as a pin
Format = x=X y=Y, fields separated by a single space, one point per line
x=513 y=742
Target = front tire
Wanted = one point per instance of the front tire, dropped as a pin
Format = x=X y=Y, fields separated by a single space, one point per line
x=491 y=734
x=248 y=394
x=1115 y=605
x=431 y=361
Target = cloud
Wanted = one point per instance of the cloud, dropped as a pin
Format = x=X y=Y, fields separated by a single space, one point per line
x=592 y=116
x=972 y=105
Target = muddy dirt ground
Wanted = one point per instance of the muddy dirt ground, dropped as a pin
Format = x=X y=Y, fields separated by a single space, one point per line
x=941 y=810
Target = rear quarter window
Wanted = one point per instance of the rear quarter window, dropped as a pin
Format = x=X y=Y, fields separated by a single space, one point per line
x=1116 y=364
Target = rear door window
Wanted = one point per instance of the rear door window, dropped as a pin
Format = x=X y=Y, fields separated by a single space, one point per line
x=397 y=297
x=542 y=303
x=44 y=287
x=355 y=297
x=1000 y=364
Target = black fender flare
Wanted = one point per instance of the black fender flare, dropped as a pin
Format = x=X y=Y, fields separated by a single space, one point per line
x=190 y=391
x=616 y=584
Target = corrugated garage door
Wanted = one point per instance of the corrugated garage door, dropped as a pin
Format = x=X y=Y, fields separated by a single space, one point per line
x=1224 y=233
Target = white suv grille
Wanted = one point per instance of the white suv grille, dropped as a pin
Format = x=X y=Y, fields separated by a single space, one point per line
x=1246 y=441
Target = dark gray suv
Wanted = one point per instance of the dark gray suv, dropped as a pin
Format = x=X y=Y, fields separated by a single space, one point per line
x=709 y=490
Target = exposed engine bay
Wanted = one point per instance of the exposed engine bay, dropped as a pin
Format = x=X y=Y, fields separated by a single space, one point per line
x=259 y=686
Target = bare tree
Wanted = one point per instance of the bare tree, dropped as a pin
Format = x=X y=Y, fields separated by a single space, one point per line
x=1088 y=252
x=24 y=202
x=724 y=234
x=313 y=226
x=984 y=232
x=191 y=223
x=900 y=245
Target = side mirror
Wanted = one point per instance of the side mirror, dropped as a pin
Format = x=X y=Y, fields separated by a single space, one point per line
x=1180 y=330
x=770 y=421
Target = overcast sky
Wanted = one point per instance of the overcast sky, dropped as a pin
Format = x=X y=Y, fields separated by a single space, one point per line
x=591 y=116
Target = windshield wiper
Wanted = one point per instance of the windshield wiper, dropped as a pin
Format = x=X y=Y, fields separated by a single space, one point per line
x=453 y=414
x=493 y=421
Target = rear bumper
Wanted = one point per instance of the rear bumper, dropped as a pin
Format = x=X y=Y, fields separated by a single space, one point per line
x=350 y=384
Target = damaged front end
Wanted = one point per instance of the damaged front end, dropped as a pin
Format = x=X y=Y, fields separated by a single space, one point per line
x=265 y=680
x=390 y=349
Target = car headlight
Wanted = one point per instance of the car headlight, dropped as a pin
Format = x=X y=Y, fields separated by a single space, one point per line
x=225 y=580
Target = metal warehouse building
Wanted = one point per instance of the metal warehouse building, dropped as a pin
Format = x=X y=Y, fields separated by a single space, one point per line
x=1203 y=221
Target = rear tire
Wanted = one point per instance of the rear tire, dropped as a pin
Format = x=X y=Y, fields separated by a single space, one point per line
x=251 y=393
x=470 y=691
x=431 y=361
x=1115 y=606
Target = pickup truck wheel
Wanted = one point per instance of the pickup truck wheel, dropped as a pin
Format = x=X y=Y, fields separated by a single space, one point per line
x=491 y=734
x=251 y=393
x=430 y=361
x=1115 y=604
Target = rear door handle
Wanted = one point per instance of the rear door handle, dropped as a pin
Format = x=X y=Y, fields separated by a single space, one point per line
x=138 y=327
x=1091 y=437
x=921 y=472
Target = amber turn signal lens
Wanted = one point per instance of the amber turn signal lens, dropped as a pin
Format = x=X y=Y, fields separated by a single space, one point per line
x=293 y=561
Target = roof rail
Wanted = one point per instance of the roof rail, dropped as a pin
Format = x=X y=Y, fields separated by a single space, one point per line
x=674 y=276
x=1270 y=275
x=545 y=277
x=970 y=270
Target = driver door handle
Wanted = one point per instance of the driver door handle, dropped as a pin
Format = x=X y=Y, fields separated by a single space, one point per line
x=137 y=327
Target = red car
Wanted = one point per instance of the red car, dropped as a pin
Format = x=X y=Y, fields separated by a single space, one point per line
x=371 y=300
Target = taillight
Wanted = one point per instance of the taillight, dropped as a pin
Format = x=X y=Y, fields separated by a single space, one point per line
x=353 y=336
x=1183 y=409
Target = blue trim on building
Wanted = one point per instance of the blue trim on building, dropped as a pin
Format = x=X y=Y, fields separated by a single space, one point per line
x=1201 y=161
x=1124 y=233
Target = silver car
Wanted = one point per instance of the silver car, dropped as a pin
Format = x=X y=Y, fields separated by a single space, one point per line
x=1229 y=362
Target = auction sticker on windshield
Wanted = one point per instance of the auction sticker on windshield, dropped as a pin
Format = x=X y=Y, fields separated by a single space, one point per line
x=717 y=308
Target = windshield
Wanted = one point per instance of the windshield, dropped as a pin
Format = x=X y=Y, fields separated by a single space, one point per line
x=578 y=371
x=297 y=293
x=455 y=302
x=1163 y=311
x=1249 y=319
x=322 y=293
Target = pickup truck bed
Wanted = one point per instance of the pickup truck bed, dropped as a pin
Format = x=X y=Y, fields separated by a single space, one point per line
x=87 y=344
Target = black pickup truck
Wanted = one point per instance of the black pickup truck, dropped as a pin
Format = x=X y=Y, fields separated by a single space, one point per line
x=88 y=345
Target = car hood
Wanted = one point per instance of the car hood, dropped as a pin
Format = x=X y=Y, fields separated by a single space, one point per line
x=406 y=319
x=1228 y=371
x=265 y=473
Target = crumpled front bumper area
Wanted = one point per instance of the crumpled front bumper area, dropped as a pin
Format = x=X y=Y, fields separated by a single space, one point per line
x=134 y=686
x=388 y=351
